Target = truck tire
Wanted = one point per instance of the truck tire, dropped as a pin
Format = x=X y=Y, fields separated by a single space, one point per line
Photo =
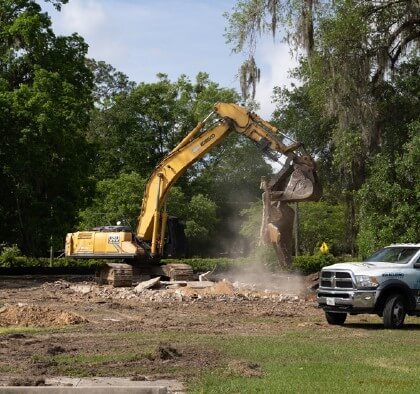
x=394 y=311
x=336 y=318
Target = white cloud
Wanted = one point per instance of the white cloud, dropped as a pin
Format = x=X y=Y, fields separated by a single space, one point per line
x=107 y=28
x=85 y=17
x=276 y=62
x=142 y=38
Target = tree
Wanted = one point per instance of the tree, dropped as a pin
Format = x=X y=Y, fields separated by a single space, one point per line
x=353 y=52
x=319 y=222
x=119 y=200
x=389 y=200
x=115 y=200
x=323 y=222
x=350 y=46
x=45 y=98
x=108 y=83
x=141 y=127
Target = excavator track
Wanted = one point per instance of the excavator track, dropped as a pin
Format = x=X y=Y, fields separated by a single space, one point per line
x=178 y=271
x=115 y=274
x=121 y=275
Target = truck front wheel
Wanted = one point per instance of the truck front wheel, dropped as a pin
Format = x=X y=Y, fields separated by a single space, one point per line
x=336 y=318
x=394 y=311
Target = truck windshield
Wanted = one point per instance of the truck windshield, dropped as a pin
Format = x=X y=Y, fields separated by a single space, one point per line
x=398 y=255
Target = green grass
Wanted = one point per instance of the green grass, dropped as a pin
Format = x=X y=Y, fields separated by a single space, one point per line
x=359 y=357
x=356 y=358
x=341 y=360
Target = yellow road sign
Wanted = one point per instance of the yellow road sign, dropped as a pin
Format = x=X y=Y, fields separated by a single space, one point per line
x=324 y=248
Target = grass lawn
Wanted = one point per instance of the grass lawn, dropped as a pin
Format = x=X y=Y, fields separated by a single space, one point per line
x=304 y=355
x=354 y=359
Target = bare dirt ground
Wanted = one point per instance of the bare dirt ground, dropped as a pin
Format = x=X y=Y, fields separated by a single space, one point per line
x=77 y=328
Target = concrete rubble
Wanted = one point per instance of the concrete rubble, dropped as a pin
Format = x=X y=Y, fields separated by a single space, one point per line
x=148 y=284
x=155 y=290
x=98 y=385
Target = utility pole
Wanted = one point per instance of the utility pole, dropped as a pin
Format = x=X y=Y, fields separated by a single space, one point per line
x=296 y=229
x=51 y=239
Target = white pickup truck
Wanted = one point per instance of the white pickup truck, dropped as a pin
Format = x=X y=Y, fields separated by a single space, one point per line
x=386 y=284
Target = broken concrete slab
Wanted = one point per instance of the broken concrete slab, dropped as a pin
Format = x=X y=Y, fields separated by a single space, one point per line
x=87 y=390
x=164 y=385
x=199 y=285
x=99 y=385
x=148 y=284
x=81 y=288
x=174 y=282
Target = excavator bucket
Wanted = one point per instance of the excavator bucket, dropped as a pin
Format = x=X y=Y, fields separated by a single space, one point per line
x=292 y=184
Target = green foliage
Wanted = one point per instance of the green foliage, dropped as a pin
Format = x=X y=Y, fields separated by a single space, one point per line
x=119 y=199
x=309 y=264
x=252 y=223
x=208 y=264
x=142 y=126
x=116 y=199
x=108 y=83
x=200 y=216
x=389 y=199
x=318 y=222
x=322 y=222
x=9 y=254
x=358 y=98
x=45 y=96
x=19 y=261
x=265 y=256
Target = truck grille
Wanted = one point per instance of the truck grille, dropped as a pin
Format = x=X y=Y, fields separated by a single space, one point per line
x=336 y=280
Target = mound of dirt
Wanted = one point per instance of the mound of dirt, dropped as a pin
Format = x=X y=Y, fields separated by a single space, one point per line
x=246 y=369
x=167 y=352
x=32 y=315
x=219 y=288
x=27 y=381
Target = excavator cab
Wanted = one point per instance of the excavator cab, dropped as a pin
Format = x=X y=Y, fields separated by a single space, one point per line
x=176 y=242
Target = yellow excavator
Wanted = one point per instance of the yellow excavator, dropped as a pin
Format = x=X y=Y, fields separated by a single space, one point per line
x=159 y=235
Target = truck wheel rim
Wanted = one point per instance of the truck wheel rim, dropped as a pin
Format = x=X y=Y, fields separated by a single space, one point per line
x=398 y=313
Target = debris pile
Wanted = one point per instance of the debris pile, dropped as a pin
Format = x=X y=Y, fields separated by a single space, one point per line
x=156 y=290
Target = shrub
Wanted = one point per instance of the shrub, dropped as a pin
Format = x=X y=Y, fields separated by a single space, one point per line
x=8 y=255
x=310 y=264
x=16 y=261
x=203 y=264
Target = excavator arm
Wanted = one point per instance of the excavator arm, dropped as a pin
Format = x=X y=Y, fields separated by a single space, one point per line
x=296 y=181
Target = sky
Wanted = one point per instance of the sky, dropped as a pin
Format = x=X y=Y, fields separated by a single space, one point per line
x=144 y=37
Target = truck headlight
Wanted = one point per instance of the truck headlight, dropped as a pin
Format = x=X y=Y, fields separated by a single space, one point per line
x=366 y=281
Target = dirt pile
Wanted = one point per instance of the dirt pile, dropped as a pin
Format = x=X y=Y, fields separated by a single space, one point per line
x=223 y=288
x=167 y=352
x=245 y=369
x=27 y=381
x=37 y=316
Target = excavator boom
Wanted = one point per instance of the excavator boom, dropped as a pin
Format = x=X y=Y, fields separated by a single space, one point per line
x=297 y=181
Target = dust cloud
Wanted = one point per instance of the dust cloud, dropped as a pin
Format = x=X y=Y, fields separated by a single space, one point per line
x=257 y=276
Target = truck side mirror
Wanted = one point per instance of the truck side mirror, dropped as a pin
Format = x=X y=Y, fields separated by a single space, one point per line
x=416 y=264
